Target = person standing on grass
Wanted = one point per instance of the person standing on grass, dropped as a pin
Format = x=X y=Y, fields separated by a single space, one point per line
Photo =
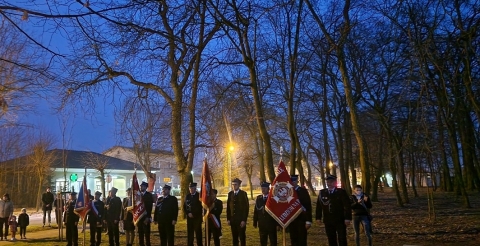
x=23 y=222
x=47 y=201
x=267 y=226
x=237 y=212
x=193 y=211
x=360 y=205
x=114 y=209
x=166 y=214
x=144 y=223
x=214 y=225
x=95 y=218
x=71 y=220
x=6 y=210
x=300 y=225
x=127 y=217
x=333 y=205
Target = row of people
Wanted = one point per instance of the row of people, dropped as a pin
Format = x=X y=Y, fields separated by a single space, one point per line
x=334 y=206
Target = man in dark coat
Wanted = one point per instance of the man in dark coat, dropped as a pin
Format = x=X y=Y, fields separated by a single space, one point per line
x=298 y=228
x=193 y=211
x=70 y=219
x=114 y=209
x=144 y=223
x=95 y=218
x=267 y=226
x=237 y=212
x=214 y=225
x=333 y=205
x=166 y=214
x=47 y=201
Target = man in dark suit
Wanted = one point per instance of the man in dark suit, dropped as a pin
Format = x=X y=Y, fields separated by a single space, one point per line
x=333 y=205
x=237 y=212
x=299 y=227
x=71 y=220
x=47 y=200
x=267 y=226
x=166 y=214
x=95 y=218
x=114 y=209
x=193 y=211
x=214 y=225
x=127 y=217
x=144 y=223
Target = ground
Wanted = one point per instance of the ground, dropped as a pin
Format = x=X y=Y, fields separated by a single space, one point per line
x=393 y=225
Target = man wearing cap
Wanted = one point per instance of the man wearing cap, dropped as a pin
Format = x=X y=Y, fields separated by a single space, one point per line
x=166 y=214
x=95 y=218
x=333 y=205
x=214 y=225
x=193 y=211
x=143 y=223
x=127 y=217
x=237 y=212
x=71 y=220
x=267 y=226
x=47 y=201
x=299 y=227
x=114 y=209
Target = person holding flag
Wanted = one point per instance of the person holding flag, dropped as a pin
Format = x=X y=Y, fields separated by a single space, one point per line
x=299 y=227
x=166 y=214
x=237 y=212
x=143 y=223
x=193 y=211
x=267 y=226
x=214 y=225
x=95 y=218
x=70 y=219
x=212 y=207
x=114 y=209
x=127 y=217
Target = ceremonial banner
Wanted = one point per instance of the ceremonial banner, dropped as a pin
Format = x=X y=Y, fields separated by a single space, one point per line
x=206 y=190
x=283 y=203
x=138 y=208
x=83 y=205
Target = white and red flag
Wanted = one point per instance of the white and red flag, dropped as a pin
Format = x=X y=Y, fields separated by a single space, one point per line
x=83 y=205
x=283 y=203
x=206 y=196
x=138 y=208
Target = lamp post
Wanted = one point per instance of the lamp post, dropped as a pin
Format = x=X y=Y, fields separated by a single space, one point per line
x=231 y=148
x=193 y=179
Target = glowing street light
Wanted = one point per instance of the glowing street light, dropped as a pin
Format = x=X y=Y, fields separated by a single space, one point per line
x=192 y=176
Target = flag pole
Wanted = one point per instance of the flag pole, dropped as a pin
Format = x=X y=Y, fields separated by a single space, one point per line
x=284 y=237
x=84 y=222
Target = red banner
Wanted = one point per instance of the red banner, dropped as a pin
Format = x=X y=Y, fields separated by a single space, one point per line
x=283 y=204
x=206 y=190
x=83 y=205
x=138 y=208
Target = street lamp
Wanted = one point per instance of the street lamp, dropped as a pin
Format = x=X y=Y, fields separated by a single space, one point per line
x=231 y=148
x=192 y=176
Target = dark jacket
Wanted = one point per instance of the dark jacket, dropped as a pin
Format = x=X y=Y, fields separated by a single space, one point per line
x=114 y=209
x=47 y=200
x=306 y=202
x=94 y=217
x=70 y=216
x=166 y=209
x=193 y=205
x=360 y=208
x=127 y=215
x=333 y=208
x=23 y=220
x=261 y=217
x=237 y=206
x=147 y=199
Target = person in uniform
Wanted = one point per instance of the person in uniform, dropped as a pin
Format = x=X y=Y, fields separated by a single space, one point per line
x=114 y=209
x=70 y=219
x=267 y=226
x=299 y=226
x=333 y=205
x=237 y=212
x=166 y=214
x=95 y=218
x=144 y=223
x=47 y=201
x=214 y=225
x=193 y=212
x=127 y=217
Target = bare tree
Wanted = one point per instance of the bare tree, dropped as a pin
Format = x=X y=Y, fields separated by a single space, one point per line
x=99 y=163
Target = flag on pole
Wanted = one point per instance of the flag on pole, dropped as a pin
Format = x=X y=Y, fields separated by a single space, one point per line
x=206 y=196
x=138 y=208
x=283 y=203
x=83 y=205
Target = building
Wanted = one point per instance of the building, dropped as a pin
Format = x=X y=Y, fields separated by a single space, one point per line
x=161 y=160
